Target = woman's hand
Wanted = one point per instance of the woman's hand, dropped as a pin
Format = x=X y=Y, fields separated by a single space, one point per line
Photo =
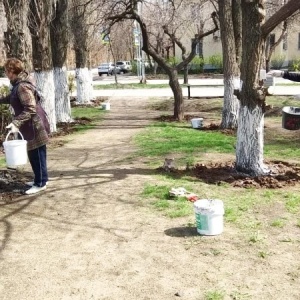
x=13 y=128
x=276 y=73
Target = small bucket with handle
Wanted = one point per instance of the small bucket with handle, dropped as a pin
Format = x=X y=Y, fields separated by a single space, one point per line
x=291 y=118
x=15 y=151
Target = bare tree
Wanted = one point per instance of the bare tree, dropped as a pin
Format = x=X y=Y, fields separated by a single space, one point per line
x=122 y=35
x=39 y=19
x=59 y=33
x=252 y=96
x=121 y=10
x=231 y=37
x=270 y=47
x=82 y=13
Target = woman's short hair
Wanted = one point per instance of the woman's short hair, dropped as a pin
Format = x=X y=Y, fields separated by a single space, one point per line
x=14 y=65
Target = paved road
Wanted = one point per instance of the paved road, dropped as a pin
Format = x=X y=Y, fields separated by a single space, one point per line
x=208 y=87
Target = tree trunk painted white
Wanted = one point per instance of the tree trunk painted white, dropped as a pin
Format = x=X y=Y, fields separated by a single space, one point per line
x=84 y=85
x=230 y=26
x=62 y=101
x=231 y=105
x=45 y=85
x=250 y=141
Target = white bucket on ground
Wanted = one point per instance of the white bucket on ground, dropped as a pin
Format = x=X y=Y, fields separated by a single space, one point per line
x=15 y=151
x=106 y=106
x=197 y=122
x=209 y=216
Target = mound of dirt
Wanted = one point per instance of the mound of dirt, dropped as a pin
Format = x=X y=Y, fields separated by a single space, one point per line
x=281 y=174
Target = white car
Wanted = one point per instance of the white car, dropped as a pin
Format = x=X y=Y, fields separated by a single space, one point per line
x=124 y=65
x=108 y=68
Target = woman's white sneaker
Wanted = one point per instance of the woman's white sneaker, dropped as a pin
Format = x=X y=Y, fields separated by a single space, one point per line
x=31 y=183
x=35 y=189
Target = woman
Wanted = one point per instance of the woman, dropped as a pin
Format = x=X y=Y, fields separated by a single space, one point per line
x=29 y=118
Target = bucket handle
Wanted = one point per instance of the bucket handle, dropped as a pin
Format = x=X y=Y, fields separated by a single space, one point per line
x=13 y=132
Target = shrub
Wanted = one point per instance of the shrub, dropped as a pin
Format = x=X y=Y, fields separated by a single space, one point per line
x=216 y=61
x=196 y=65
x=277 y=61
x=173 y=61
x=294 y=65
x=5 y=115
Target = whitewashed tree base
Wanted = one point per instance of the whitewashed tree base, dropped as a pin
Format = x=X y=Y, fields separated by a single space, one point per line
x=84 y=85
x=45 y=85
x=250 y=142
x=62 y=100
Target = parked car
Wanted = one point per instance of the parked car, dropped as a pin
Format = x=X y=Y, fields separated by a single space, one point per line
x=124 y=65
x=108 y=68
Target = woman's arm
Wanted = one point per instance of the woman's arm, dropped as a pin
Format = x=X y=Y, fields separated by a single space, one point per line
x=291 y=76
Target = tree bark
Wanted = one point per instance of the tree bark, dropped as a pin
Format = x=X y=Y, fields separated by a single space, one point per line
x=16 y=38
x=249 y=148
x=177 y=92
x=45 y=85
x=40 y=14
x=185 y=75
x=79 y=25
x=59 y=43
x=62 y=99
x=230 y=34
x=84 y=85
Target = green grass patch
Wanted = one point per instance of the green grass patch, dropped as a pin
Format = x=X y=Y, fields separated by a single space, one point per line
x=172 y=207
x=292 y=202
x=239 y=204
x=93 y=113
x=281 y=101
x=133 y=86
x=129 y=86
x=288 y=84
x=214 y=295
x=2 y=162
x=278 y=223
x=276 y=151
x=181 y=140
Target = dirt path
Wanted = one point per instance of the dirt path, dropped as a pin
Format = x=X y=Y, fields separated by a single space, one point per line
x=89 y=236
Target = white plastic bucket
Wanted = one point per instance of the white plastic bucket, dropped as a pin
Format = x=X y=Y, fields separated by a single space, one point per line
x=15 y=151
x=209 y=216
x=106 y=106
x=197 y=122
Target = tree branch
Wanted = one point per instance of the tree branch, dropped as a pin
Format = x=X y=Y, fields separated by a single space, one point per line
x=282 y=14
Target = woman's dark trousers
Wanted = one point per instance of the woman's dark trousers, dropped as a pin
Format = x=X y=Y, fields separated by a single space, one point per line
x=38 y=160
